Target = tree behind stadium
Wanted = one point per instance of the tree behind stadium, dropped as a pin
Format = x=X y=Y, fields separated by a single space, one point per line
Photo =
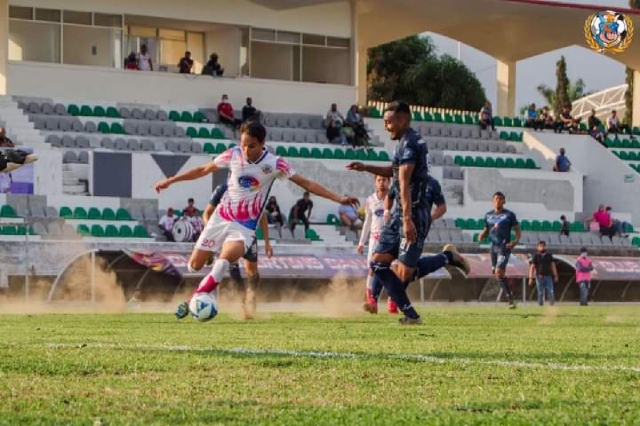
x=562 y=87
x=410 y=69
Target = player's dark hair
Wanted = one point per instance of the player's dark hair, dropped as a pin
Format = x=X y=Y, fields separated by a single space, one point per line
x=254 y=129
x=499 y=194
x=399 y=107
x=543 y=242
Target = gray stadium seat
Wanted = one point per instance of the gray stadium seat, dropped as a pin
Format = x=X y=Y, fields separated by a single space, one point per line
x=462 y=145
x=287 y=135
x=147 y=145
x=60 y=109
x=316 y=122
x=150 y=114
x=179 y=132
x=37 y=210
x=446 y=173
x=107 y=143
x=22 y=105
x=502 y=148
x=94 y=143
x=162 y=116
x=51 y=124
x=83 y=157
x=483 y=146
x=574 y=239
x=136 y=212
x=143 y=129
x=54 y=140
x=47 y=108
x=167 y=130
x=65 y=125
x=130 y=127
x=76 y=126
x=448 y=160
x=184 y=146
x=321 y=137
x=455 y=131
x=159 y=146
x=173 y=146
x=437 y=158
x=34 y=108
x=155 y=130
x=150 y=213
x=51 y=212
x=281 y=121
x=293 y=121
x=299 y=135
x=53 y=228
x=484 y=134
x=310 y=136
x=511 y=149
x=305 y=123
x=133 y=145
x=196 y=148
x=90 y=127
x=39 y=123
x=475 y=133
x=121 y=144
x=137 y=114
x=39 y=228
x=68 y=142
x=69 y=157
x=124 y=112
x=467 y=238
x=82 y=141
x=275 y=134
x=493 y=146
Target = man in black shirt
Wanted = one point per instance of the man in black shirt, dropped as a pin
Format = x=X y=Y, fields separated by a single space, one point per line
x=186 y=63
x=297 y=212
x=249 y=112
x=544 y=268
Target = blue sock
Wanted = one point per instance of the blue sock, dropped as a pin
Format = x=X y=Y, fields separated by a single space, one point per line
x=506 y=288
x=376 y=287
x=429 y=264
x=394 y=287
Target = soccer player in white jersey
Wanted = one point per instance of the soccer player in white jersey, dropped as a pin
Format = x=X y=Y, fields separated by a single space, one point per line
x=231 y=229
x=373 y=224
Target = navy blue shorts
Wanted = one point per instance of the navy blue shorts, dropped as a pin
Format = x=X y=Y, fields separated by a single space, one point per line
x=500 y=255
x=252 y=254
x=392 y=239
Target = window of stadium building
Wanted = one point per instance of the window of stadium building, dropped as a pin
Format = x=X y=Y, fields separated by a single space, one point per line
x=64 y=36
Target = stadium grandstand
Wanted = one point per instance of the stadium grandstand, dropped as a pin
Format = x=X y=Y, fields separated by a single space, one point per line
x=104 y=133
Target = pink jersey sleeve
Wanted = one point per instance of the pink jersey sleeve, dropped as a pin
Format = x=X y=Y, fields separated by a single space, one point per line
x=284 y=168
x=223 y=160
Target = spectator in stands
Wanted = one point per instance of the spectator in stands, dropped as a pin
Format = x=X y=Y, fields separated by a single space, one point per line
x=213 y=67
x=566 y=121
x=354 y=129
x=131 y=61
x=225 y=112
x=249 y=112
x=193 y=217
x=532 y=119
x=562 y=162
x=584 y=267
x=595 y=127
x=615 y=126
x=349 y=217
x=619 y=227
x=274 y=215
x=191 y=209
x=297 y=212
x=547 y=119
x=166 y=223
x=144 y=59
x=186 y=63
x=486 y=117
x=543 y=267
x=335 y=123
x=564 y=229
x=603 y=219
x=5 y=142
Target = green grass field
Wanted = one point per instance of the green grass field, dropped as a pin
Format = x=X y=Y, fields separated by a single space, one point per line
x=465 y=365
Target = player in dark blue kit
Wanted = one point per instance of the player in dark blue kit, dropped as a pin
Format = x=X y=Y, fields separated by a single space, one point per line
x=404 y=234
x=498 y=224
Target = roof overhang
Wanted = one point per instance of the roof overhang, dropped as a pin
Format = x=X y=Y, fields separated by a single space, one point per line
x=291 y=4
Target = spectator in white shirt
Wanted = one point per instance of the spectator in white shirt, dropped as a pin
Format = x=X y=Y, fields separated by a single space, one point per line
x=166 y=223
x=144 y=59
x=615 y=126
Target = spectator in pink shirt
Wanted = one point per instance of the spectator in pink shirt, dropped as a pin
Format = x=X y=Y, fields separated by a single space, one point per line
x=604 y=221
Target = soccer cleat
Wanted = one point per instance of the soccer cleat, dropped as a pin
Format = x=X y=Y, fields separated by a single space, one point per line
x=458 y=260
x=392 y=307
x=512 y=305
x=410 y=321
x=182 y=310
x=371 y=306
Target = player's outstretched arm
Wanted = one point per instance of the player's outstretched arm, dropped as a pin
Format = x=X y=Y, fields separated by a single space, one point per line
x=264 y=225
x=404 y=176
x=518 y=233
x=386 y=171
x=366 y=230
x=321 y=191
x=483 y=234
x=193 y=174
x=441 y=209
x=208 y=211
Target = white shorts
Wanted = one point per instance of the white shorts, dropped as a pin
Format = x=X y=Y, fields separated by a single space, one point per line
x=218 y=231
x=373 y=242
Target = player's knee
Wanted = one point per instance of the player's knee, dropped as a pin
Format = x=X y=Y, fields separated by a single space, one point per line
x=194 y=266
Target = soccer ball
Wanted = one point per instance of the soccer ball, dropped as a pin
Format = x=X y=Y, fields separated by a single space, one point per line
x=203 y=307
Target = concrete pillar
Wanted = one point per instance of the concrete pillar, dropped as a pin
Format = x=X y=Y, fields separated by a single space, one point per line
x=635 y=119
x=506 y=89
x=361 y=76
x=4 y=44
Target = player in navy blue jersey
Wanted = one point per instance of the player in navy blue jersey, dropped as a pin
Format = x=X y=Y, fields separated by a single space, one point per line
x=403 y=236
x=498 y=224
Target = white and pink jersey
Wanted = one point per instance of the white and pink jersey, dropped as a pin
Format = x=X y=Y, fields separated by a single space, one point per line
x=374 y=219
x=249 y=185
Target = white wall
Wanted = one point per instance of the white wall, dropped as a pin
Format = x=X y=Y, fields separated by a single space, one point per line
x=78 y=44
x=226 y=43
x=326 y=65
x=111 y=85
x=26 y=41
x=332 y=19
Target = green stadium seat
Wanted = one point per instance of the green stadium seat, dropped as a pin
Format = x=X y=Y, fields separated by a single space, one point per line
x=504 y=135
x=490 y=162
x=97 y=231
x=140 y=231
x=507 y=122
x=94 y=214
x=520 y=164
x=83 y=230
x=80 y=213
x=469 y=161
x=556 y=226
x=65 y=212
x=103 y=127
x=186 y=116
x=192 y=132
x=85 y=110
x=547 y=226
x=7 y=211
x=468 y=119
x=628 y=228
x=457 y=118
x=327 y=153
x=99 y=111
x=632 y=156
x=350 y=154
x=9 y=230
x=111 y=231
x=332 y=219
x=22 y=230
x=361 y=155
x=125 y=231
x=199 y=117
x=292 y=151
x=417 y=116
x=209 y=148
x=626 y=143
x=203 y=133
x=624 y=155
x=428 y=117
x=108 y=214
x=281 y=151
x=123 y=214
x=577 y=227
x=609 y=142
x=635 y=144
x=217 y=133
x=174 y=116
x=536 y=225
x=636 y=241
x=513 y=137
x=480 y=162
x=525 y=225
x=471 y=224
x=458 y=160
x=461 y=223
x=448 y=118
x=112 y=113
x=530 y=164
x=73 y=110
x=304 y=152
x=497 y=121
x=383 y=156
x=117 y=129
x=315 y=153
x=583 y=127
x=338 y=154
x=375 y=113
x=372 y=155
x=311 y=234
x=220 y=148
x=517 y=122
x=500 y=163
x=437 y=117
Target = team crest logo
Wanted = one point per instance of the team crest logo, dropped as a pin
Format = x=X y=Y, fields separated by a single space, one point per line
x=266 y=169
x=249 y=182
x=608 y=32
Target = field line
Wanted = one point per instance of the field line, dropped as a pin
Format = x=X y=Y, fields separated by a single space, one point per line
x=430 y=359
